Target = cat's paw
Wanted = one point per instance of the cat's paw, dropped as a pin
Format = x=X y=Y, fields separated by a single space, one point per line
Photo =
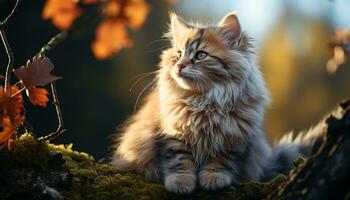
x=180 y=183
x=213 y=180
x=151 y=173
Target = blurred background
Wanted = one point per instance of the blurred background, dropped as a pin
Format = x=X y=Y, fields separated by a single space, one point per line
x=292 y=40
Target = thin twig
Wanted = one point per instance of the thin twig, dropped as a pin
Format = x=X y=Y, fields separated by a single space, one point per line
x=53 y=42
x=60 y=129
x=9 y=58
x=13 y=11
x=7 y=46
x=74 y=28
x=19 y=91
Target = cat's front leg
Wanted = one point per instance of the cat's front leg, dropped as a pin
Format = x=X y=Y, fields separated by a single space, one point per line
x=214 y=174
x=228 y=167
x=178 y=167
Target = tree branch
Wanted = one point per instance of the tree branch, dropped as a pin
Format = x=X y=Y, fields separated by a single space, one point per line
x=13 y=11
x=77 y=25
x=325 y=175
x=7 y=46
x=51 y=44
x=9 y=57
x=60 y=128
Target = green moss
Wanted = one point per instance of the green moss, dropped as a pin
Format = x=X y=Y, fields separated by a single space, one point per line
x=299 y=161
x=84 y=178
x=26 y=153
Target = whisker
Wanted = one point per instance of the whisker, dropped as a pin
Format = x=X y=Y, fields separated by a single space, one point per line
x=139 y=78
x=158 y=49
x=142 y=91
x=159 y=40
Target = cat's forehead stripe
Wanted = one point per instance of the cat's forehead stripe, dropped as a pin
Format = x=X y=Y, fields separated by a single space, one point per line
x=195 y=43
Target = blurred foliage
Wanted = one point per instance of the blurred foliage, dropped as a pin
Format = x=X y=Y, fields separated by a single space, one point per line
x=295 y=70
x=341 y=47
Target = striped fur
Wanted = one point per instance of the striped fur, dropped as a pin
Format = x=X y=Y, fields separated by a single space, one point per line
x=202 y=123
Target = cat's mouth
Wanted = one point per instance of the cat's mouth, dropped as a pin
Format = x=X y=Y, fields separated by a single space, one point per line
x=183 y=72
x=183 y=78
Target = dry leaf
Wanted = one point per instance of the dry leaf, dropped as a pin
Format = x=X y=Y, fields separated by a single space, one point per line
x=11 y=114
x=91 y=1
x=342 y=35
x=12 y=105
x=8 y=130
x=136 y=12
x=111 y=34
x=111 y=37
x=15 y=106
x=62 y=13
x=36 y=72
x=112 y=9
x=37 y=96
x=340 y=48
x=10 y=144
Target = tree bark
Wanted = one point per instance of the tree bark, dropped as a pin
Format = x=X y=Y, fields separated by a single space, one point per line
x=326 y=174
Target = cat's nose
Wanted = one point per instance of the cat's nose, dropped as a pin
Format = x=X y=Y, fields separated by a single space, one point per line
x=180 y=68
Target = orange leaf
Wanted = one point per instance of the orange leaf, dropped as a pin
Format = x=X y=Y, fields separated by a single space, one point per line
x=136 y=12
x=36 y=72
x=15 y=106
x=91 y=1
x=111 y=37
x=8 y=130
x=62 y=13
x=12 y=105
x=10 y=143
x=11 y=114
x=112 y=8
x=37 y=96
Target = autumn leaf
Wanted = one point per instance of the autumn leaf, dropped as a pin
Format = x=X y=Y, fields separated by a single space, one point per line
x=112 y=9
x=11 y=114
x=37 y=96
x=62 y=13
x=8 y=130
x=91 y=1
x=10 y=143
x=36 y=72
x=340 y=46
x=136 y=12
x=11 y=105
x=111 y=37
x=111 y=34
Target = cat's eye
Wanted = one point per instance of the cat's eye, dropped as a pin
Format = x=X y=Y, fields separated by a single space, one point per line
x=200 y=55
x=179 y=54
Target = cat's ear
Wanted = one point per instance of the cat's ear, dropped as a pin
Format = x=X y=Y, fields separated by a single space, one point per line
x=230 y=29
x=178 y=26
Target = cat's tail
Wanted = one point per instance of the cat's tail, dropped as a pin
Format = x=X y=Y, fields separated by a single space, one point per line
x=289 y=148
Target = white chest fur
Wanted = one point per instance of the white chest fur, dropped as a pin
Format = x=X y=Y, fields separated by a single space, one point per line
x=207 y=128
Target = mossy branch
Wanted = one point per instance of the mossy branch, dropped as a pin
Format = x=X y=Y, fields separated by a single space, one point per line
x=45 y=171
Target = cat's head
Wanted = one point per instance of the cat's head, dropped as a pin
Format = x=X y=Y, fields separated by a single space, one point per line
x=205 y=57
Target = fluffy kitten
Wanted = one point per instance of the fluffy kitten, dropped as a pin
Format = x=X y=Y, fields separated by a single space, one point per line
x=203 y=122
